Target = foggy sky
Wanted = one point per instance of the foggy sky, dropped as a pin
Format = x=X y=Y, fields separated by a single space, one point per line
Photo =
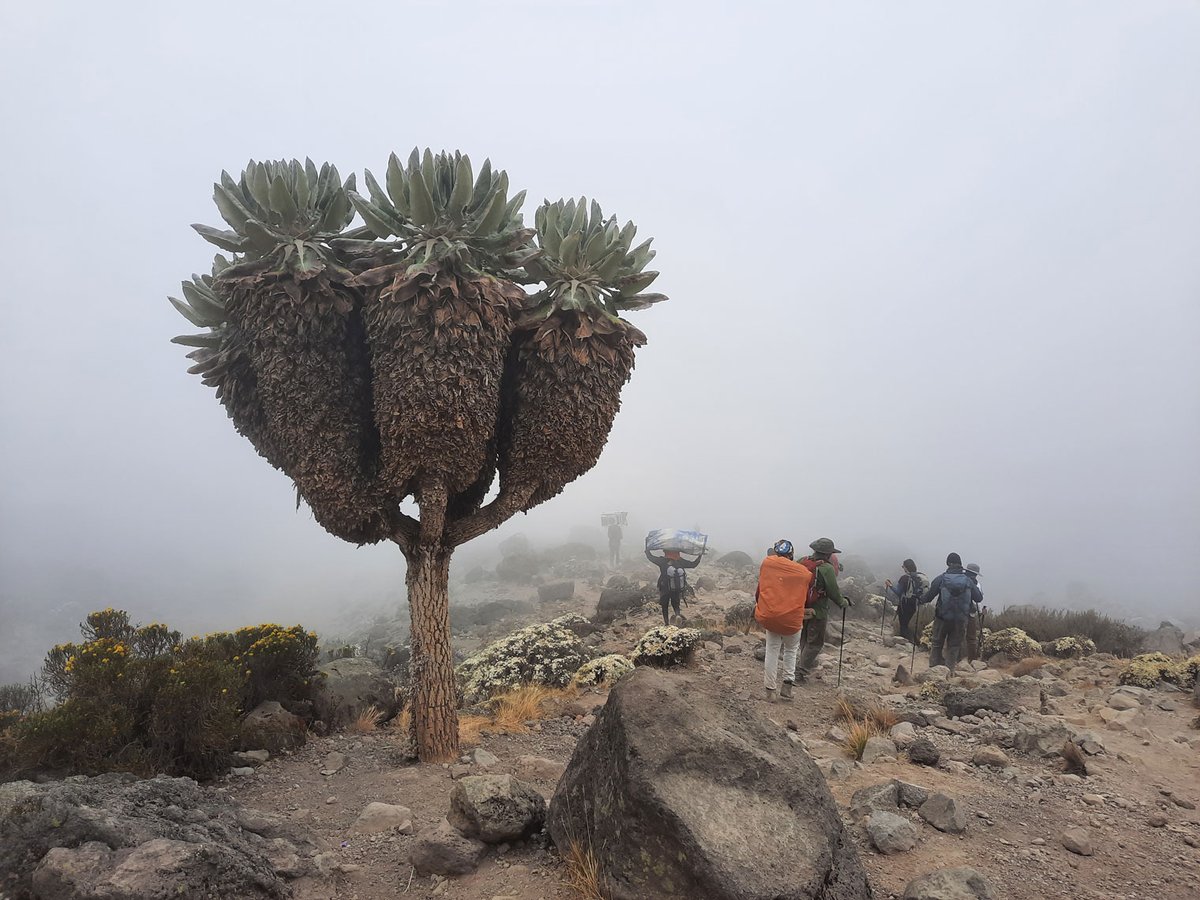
x=933 y=271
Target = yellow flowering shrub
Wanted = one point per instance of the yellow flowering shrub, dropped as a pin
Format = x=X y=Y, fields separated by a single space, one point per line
x=139 y=698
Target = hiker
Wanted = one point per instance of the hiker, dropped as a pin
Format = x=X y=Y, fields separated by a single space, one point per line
x=955 y=592
x=779 y=607
x=614 y=544
x=824 y=588
x=905 y=594
x=672 y=578
x=974 y=623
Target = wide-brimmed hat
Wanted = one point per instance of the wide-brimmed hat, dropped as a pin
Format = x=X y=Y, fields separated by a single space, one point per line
x=973 y=567
x=824 y=546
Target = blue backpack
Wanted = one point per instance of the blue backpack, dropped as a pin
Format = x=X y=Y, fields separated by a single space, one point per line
x=954 y=600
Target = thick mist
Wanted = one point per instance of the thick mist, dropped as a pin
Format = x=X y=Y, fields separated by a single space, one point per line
x=932 y=268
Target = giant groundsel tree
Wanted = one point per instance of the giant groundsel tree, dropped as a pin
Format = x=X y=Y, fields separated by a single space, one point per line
x=435 y=348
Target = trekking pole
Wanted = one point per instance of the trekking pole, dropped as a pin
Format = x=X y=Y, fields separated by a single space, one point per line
x=912 y=663
x=841 y=647
x=883 y=619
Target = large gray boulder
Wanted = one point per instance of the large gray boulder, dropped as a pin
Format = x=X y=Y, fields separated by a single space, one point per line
x=1166 y=638
x=117 y=836
x=616 y=601
x=352 y=685
x=682 y=792
x=496 y=808
x=442 y=850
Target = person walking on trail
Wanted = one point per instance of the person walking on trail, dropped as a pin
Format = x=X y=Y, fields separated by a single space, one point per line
x=779 y=607
x=973 y=624
x=954 y=591
x=614 y=544
x=905 y=593
x=824 y=589
x=672 y=578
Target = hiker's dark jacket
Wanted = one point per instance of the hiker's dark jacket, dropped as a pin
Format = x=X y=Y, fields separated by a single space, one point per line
x=935 y=588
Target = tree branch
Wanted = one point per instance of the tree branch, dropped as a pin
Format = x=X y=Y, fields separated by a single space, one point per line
x=405 y=530
x=507 y=503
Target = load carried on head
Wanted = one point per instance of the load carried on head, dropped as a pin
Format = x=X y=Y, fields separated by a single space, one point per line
x=672 y=577
x=692 y=543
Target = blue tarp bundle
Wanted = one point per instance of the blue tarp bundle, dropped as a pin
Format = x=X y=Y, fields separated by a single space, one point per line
x=691 y=542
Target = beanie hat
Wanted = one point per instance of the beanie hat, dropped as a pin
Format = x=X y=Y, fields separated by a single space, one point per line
x=954 y=560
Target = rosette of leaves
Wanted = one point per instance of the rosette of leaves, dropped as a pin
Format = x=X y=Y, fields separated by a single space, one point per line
x=438 y=317
x=573 y=353
x=286 y=348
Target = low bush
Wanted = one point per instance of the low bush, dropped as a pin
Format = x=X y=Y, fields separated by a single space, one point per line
x=139 y=698
x=666 y=645
x=1148 y=669
x=1109 y=635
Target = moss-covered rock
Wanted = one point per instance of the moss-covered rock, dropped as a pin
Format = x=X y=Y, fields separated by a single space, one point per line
x=604 y=670
x=1012 y=642
x=666 y=645
x=540 y=654
x=1072 y=647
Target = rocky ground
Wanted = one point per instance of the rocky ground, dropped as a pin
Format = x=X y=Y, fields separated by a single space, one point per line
x=1008 y=808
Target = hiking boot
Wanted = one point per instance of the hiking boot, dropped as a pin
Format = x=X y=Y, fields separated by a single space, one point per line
x=785 y=692
x=770 y=695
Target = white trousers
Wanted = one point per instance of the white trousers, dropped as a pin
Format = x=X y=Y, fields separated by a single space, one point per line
x=789 y=644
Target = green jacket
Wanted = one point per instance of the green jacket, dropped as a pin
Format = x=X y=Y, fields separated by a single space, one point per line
x=826 y=589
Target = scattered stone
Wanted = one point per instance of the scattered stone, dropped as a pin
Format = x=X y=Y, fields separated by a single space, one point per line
x=253 y=758
x=883 y=662
x=878 y=748
x=903 y=733
x=538 y=768
x=670 y=748
x=496 y=808
x=923 y=752
x=890 y=833
x=836 y=734
x=902 y=675
x=334 y=763
x=948 y=725
x=1157 y=820
x=1077 y=840
x=440 y=850
x=873 y=798
x=1122 y=701
x=991 y=756
x=959 y=883
x=911 y=795
x=1093 y=799
x=1002 y=697
x=241 y=771
x=482 y=759
x=1182 y=803
x=934 y=673
x=1167 y=704
x=944 y=814
x=377 y=818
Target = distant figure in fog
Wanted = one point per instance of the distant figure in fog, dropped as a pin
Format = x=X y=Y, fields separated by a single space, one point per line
x=614 y=544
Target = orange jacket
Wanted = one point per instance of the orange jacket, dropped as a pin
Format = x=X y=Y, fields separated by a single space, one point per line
x=782 y=593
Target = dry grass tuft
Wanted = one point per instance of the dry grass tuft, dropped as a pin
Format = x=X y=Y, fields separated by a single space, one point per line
x=1025 y=666
x=860 y=733
x=851 y=712
x=367 y=720
x=583 y=872
x=471 y=727
x=512 y=710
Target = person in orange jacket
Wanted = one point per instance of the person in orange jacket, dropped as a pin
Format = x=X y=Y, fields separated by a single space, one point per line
x=779 y=607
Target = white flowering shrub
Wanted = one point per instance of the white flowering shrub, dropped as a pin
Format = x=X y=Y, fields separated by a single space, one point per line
x=666 y=645
x=546 y=654
x=1012 y=642
x=604 y=670
x=1070 y=647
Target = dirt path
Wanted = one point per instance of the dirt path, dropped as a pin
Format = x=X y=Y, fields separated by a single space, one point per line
x=1016 y=816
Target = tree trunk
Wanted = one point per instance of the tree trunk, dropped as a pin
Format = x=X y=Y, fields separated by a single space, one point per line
x=434 y=702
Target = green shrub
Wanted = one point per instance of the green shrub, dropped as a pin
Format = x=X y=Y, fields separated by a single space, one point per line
x=1012 y=642
x=140 y=699
x=1109 y=635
